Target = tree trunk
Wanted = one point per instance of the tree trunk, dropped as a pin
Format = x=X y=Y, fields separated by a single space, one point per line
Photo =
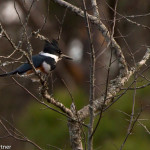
x=75 y=135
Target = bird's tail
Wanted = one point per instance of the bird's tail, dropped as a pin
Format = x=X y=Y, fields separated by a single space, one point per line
x=8 y=73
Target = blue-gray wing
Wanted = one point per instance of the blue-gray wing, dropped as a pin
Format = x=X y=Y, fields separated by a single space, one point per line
x=37 y=62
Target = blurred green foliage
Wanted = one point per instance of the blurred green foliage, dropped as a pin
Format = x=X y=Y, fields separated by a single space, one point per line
x=47 y=127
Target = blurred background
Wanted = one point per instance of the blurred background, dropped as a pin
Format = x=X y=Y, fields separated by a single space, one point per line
x=44 y=126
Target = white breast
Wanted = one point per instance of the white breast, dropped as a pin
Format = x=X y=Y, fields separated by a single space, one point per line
x=47 y=67
x=56 y=58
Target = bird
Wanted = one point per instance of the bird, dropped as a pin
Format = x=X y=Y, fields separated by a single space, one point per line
x=44 y=62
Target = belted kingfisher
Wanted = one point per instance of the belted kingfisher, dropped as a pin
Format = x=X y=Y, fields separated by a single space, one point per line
x=44 y=62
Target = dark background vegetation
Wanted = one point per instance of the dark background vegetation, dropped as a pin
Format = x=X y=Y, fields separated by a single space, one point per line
x=48 y=128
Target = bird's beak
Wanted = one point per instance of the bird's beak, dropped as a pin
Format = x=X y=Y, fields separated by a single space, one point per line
x=65 y=56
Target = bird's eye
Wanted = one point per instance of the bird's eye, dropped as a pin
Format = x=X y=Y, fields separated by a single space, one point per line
x=59 y=52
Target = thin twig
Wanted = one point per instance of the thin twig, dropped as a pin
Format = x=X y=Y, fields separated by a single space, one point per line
x=45 y=19
x=61 y=24
x=133 y=106
x=108 y=74
x=92 y=80
x=129 y=20
x=75 y=110
x=21 y=138
x=114 y=88
x=131 y=129
x=41 y=102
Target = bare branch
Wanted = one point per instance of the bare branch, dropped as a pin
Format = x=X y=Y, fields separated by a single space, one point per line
x=19 y=137
x=95 y=8
x=131 y=129
x=114 y=87
x=108 y=73
x=129 y=20
x=114 y=46
x=43 y=82
x=56 y=103
x=61 y=24
x=144 y=126
x=92 y=80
